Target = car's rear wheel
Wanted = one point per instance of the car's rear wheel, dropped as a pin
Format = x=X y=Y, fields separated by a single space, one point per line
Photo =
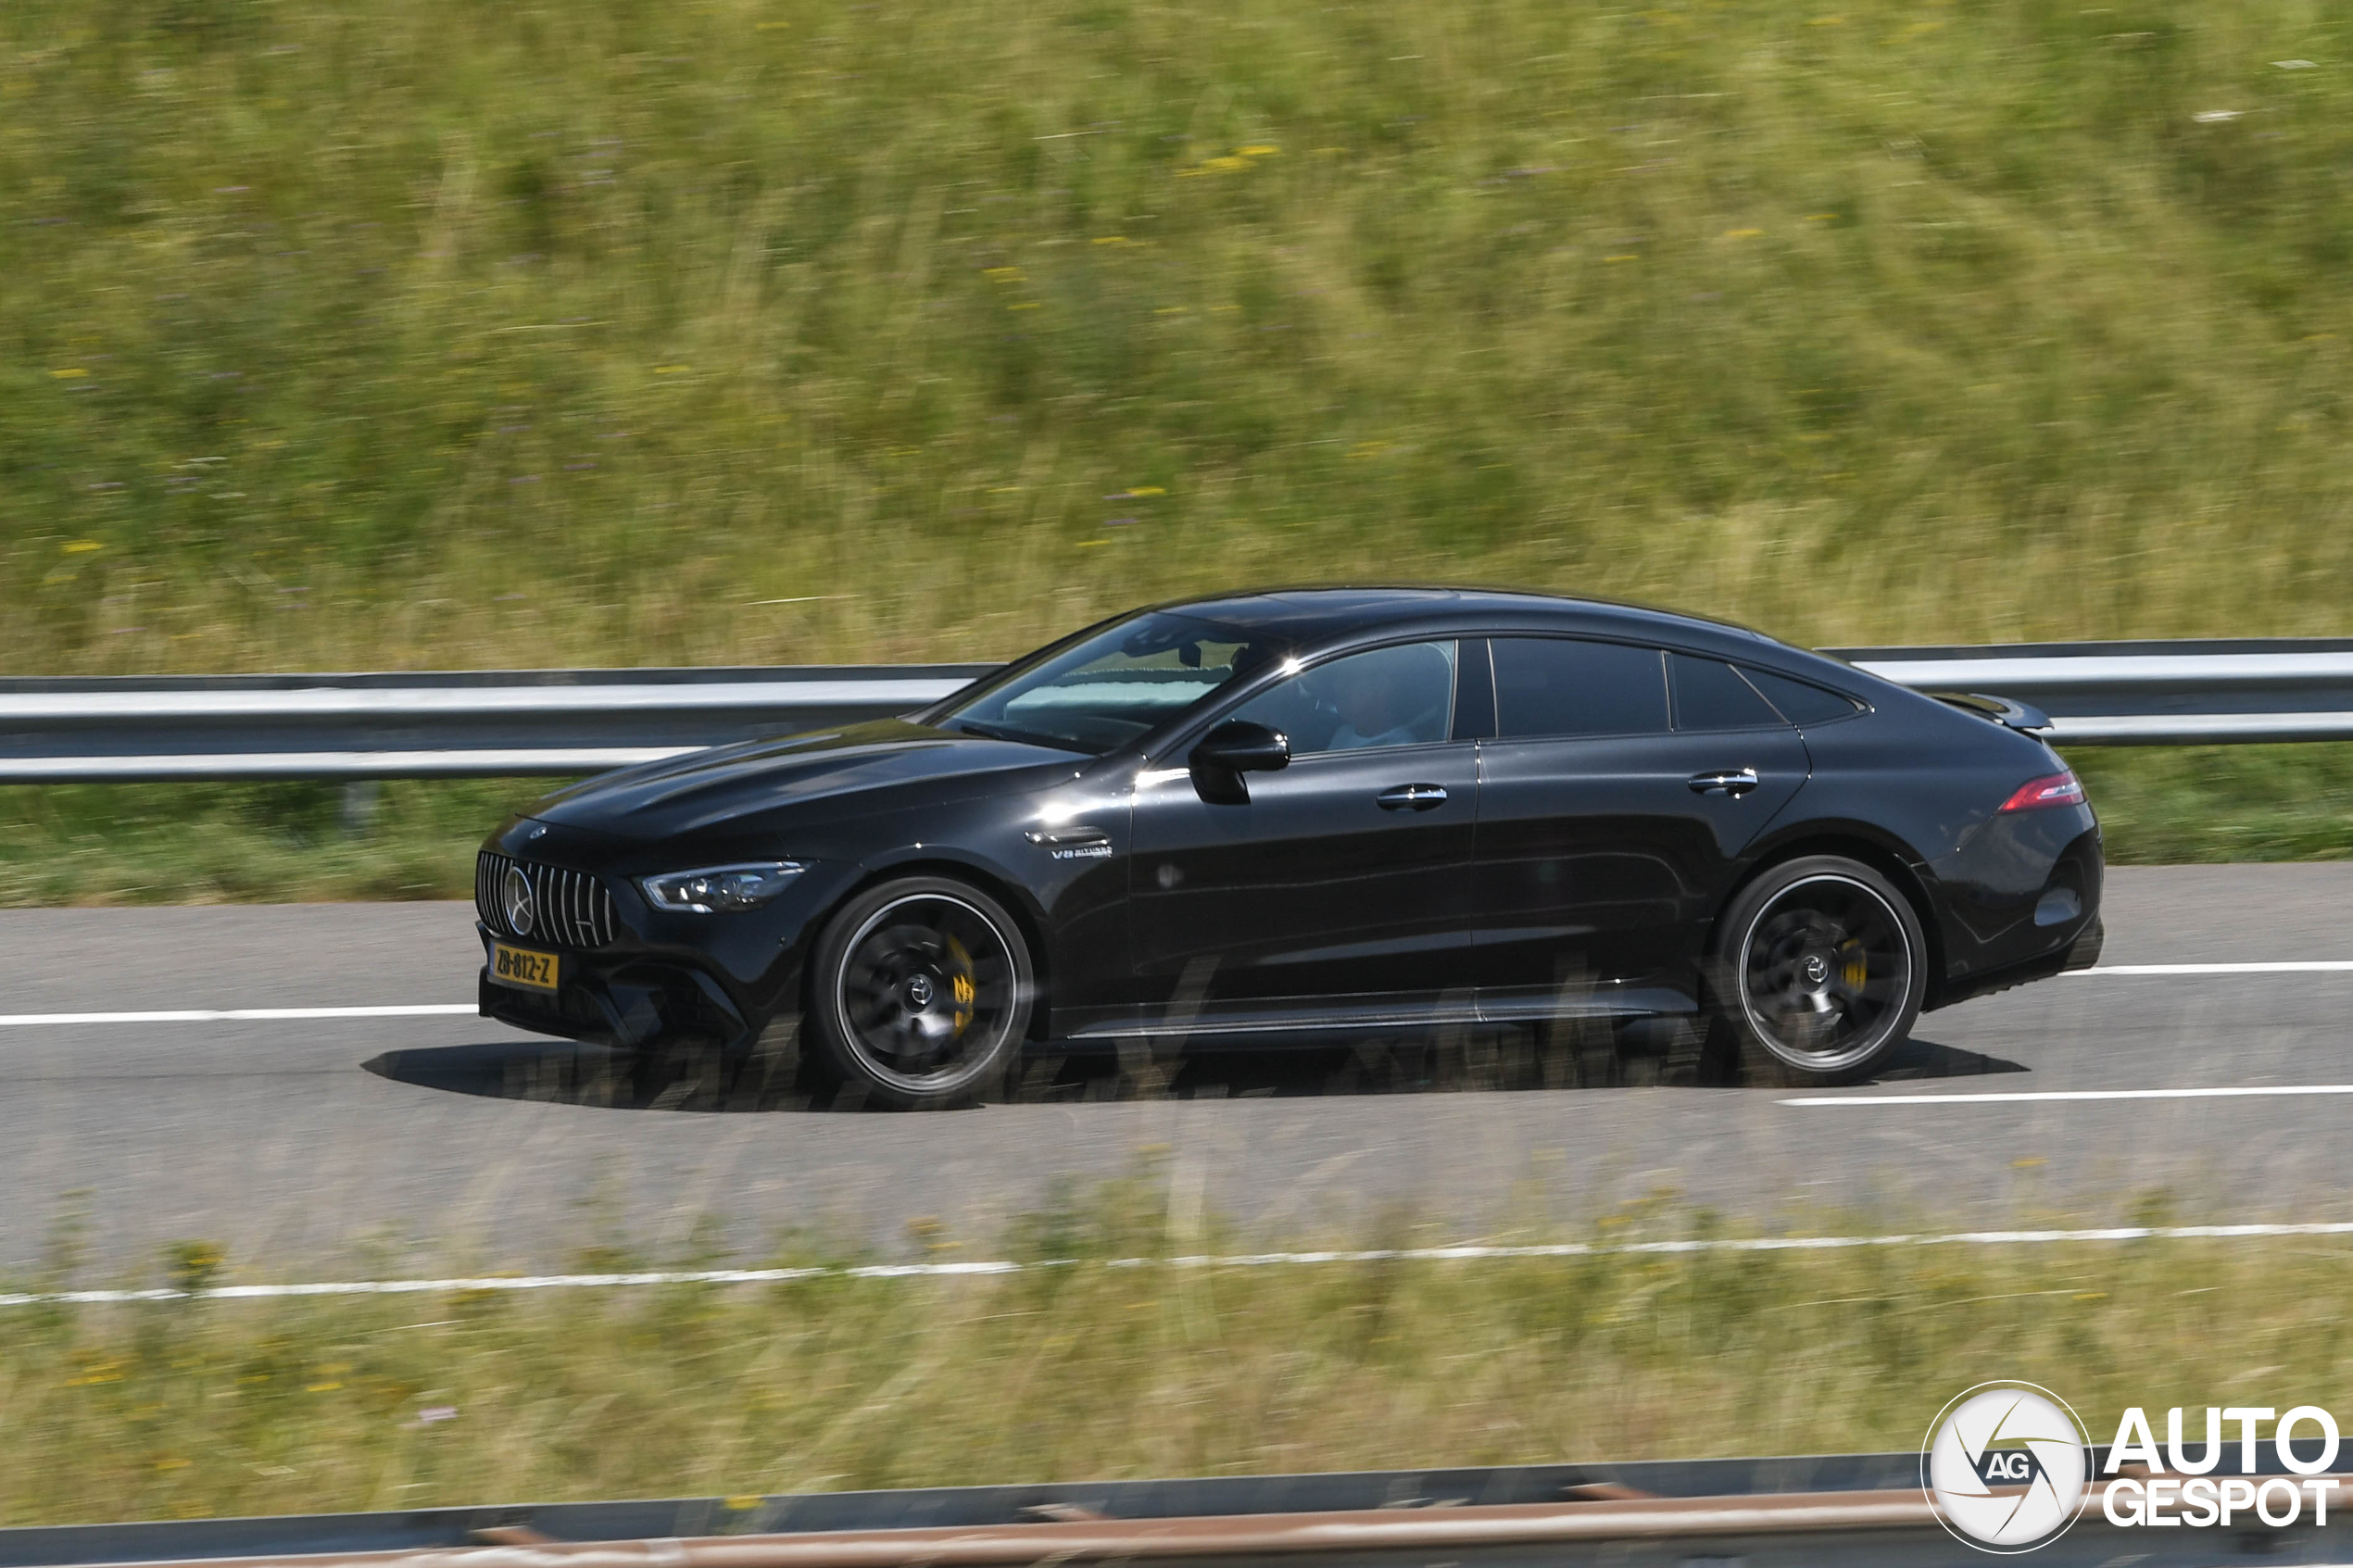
x=1818 y=971
x=922 y=990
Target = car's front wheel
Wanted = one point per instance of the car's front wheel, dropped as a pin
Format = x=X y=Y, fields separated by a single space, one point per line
x=922 y=990
x=1816 y=972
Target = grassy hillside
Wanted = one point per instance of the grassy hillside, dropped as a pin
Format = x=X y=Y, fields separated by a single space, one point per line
x=425 y=332
x=186 y=1408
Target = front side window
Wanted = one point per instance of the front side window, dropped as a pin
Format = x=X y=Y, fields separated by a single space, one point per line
x=1105 y=690
x=1402 y=696
x=1549 y=686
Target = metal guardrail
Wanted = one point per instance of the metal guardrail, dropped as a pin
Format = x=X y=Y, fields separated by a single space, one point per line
x=493 y=723
x=471 y=724
x=964 y=1511
x=2207 y=693
x=1818 y=1511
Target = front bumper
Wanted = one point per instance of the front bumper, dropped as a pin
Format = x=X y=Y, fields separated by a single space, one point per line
x=626 y=999
x=632 y=975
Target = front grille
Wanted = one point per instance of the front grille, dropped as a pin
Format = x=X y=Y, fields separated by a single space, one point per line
x=569 y=908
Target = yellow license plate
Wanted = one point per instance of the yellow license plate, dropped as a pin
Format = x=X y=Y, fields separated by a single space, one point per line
x=520 y=966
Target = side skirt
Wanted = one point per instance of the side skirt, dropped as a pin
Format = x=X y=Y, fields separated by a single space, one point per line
x=1327 y=1020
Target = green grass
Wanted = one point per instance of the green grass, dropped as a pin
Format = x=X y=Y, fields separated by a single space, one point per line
x=175 y=844
x=425 y=332
x=2167 y=805
x=244 y=843
x=213 y=1407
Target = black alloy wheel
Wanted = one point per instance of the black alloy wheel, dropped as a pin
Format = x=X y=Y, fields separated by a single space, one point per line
x=1819 y=971
x=922 y=992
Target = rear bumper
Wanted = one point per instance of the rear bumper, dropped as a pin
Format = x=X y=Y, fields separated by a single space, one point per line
x=2042 y=919
x=622 y=1000
x=2082 y=953
x=2086 y=951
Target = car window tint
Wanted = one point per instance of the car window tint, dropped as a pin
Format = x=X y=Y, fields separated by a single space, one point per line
x=1560 y=686
x=1710 y=694
x=1106 y=689
x=1402 y=696
x=1801 y=702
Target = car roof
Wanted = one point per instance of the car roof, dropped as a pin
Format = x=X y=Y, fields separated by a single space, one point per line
x=1329 y=614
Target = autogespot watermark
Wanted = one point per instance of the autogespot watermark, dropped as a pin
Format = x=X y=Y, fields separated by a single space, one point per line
x=2007 y=1469
x=2004 y=1466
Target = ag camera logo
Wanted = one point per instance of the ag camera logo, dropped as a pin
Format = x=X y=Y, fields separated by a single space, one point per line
x=2006 y=1467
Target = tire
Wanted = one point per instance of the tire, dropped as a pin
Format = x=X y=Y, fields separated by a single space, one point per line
x=920 y=993
x=1816 y=972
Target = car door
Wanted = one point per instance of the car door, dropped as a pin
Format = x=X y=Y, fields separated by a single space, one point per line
x=1612 y=820
x=1340 y=891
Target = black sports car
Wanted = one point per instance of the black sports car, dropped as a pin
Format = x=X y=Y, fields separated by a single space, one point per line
x=1318 y=810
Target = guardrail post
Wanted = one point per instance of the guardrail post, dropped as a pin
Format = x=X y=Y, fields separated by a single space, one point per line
x=362 y=799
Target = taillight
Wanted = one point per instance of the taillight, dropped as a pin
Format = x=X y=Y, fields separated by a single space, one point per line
x=2051 y=789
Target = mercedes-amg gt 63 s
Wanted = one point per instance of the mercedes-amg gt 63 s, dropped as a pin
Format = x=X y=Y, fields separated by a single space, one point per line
x=1369 y=810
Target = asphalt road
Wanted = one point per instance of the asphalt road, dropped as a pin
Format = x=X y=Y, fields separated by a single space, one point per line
x=391 y=1144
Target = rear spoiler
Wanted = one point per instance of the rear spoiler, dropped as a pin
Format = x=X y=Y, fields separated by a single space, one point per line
x=1998 y=709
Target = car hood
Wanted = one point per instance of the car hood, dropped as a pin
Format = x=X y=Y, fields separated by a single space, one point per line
x=851 y=770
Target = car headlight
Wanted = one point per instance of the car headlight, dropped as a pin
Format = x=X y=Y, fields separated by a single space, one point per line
x=718 y=889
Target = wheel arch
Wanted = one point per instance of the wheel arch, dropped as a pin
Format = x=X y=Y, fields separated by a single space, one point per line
x=1016 y=901
x=1882 y=855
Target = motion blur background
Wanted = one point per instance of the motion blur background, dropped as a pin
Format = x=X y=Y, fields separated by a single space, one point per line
x=425 y=333
x=428 y=334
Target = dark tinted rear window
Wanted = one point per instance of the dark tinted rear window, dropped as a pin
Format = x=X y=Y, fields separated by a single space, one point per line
x=1558 y=686
x=1710 y=694
x=1800 y=702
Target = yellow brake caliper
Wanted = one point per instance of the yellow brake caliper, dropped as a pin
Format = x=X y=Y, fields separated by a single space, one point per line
x=962 y=991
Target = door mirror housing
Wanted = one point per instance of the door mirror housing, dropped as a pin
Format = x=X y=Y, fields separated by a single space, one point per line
x=1233 y=748
x=1239 y=745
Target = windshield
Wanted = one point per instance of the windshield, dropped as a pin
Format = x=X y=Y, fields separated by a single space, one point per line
x=1105 y=690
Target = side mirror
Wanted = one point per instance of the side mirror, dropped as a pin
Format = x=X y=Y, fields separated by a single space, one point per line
x=1233 y=748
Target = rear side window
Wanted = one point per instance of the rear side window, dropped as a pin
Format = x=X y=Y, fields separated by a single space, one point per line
x=1560 y=686
x=1801 y=702
x=1710 y=694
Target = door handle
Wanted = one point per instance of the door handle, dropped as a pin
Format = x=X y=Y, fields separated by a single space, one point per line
x=1736 y=782
x=1412 y=797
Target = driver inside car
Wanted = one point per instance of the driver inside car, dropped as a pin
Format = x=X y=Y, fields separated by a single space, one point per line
x=1390 y=696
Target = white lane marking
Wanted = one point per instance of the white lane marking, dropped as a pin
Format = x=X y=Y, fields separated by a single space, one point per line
x=2263 y=1090
x=1211 y=1261
x=234 y=1015
x=2298 y=966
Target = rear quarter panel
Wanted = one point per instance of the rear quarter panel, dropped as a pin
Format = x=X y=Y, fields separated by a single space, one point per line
x=1916 y=773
